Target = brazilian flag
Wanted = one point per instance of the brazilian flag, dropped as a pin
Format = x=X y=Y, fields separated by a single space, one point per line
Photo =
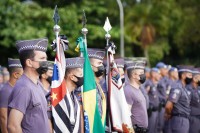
x=96 y=123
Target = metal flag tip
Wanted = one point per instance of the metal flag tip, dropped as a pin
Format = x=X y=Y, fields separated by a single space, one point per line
x=107 y=27
x=56 y=16
x=84 y=20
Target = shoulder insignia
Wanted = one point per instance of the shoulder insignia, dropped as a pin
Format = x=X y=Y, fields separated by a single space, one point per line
x=177 y=91
x=174 y=96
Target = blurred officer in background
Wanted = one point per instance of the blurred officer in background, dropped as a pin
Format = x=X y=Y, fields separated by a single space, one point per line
x=178 y=104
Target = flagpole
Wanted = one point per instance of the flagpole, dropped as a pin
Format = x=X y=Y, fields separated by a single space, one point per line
x=84 y=31
x=107 y=27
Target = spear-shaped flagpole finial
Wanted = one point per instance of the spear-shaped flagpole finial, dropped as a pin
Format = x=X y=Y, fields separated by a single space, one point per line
x=56 y=16
x=56 y=27
x=84 y=21
x=56 y=19
x=107 y=27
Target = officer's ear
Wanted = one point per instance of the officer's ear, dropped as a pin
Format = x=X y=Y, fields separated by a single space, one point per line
x=72 y=77
x=29 y=63
x=14 y=74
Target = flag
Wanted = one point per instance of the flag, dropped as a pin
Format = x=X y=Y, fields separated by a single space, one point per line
x=93 y=120
x=60 y=98
x=120 y=114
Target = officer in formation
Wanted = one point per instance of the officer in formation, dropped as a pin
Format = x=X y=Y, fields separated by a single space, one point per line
x=135 y=97
x=46 y=78
x=162 y=88
x=178 y=104
x=151 y=86
x=74 y=80
x=120 y=65
x=15 y=70
x=194 y=89
x=173 y=77
x=96 y=58
x=27 y=104
x=152 y=93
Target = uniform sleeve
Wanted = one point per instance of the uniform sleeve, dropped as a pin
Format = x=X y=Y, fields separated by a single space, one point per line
x=194 y=96
x=20 y=99
x=128 y=95
x=174 y=95
x=3 y=99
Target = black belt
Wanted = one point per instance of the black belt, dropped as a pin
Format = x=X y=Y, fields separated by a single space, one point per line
x=181 y=115
x=155 y=109
x=140 y=129
x=196 y=116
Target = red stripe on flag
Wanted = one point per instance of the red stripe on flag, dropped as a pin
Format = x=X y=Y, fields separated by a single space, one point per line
x=57 y=94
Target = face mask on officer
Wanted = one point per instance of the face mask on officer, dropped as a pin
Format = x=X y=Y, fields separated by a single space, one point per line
x=49 y=79
x=79 y=81
x=188 y=80
x=43 y=67
x=142 y=78
x=100 y=71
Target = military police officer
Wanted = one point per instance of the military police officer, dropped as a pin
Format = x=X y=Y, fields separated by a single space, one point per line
x=135 y=98
x=178 y=105
x=173 y=77
x=195 y=102
x=15 y=70
x=46 y=78
x=151 y=86
x=162 y=87
x=27 y=103
x=96 y=58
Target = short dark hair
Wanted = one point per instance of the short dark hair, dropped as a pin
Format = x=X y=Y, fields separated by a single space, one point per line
x=68 y=71
x=180 y=75
x=13 y=69
x=27 y=54
x=129 y=72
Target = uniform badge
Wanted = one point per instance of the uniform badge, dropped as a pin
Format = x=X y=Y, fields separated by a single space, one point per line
x=177 y=91
x=174 y=96
x=154 y=88
x=188 y=92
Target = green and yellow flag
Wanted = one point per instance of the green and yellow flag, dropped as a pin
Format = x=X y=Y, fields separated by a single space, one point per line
x=92 y=121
